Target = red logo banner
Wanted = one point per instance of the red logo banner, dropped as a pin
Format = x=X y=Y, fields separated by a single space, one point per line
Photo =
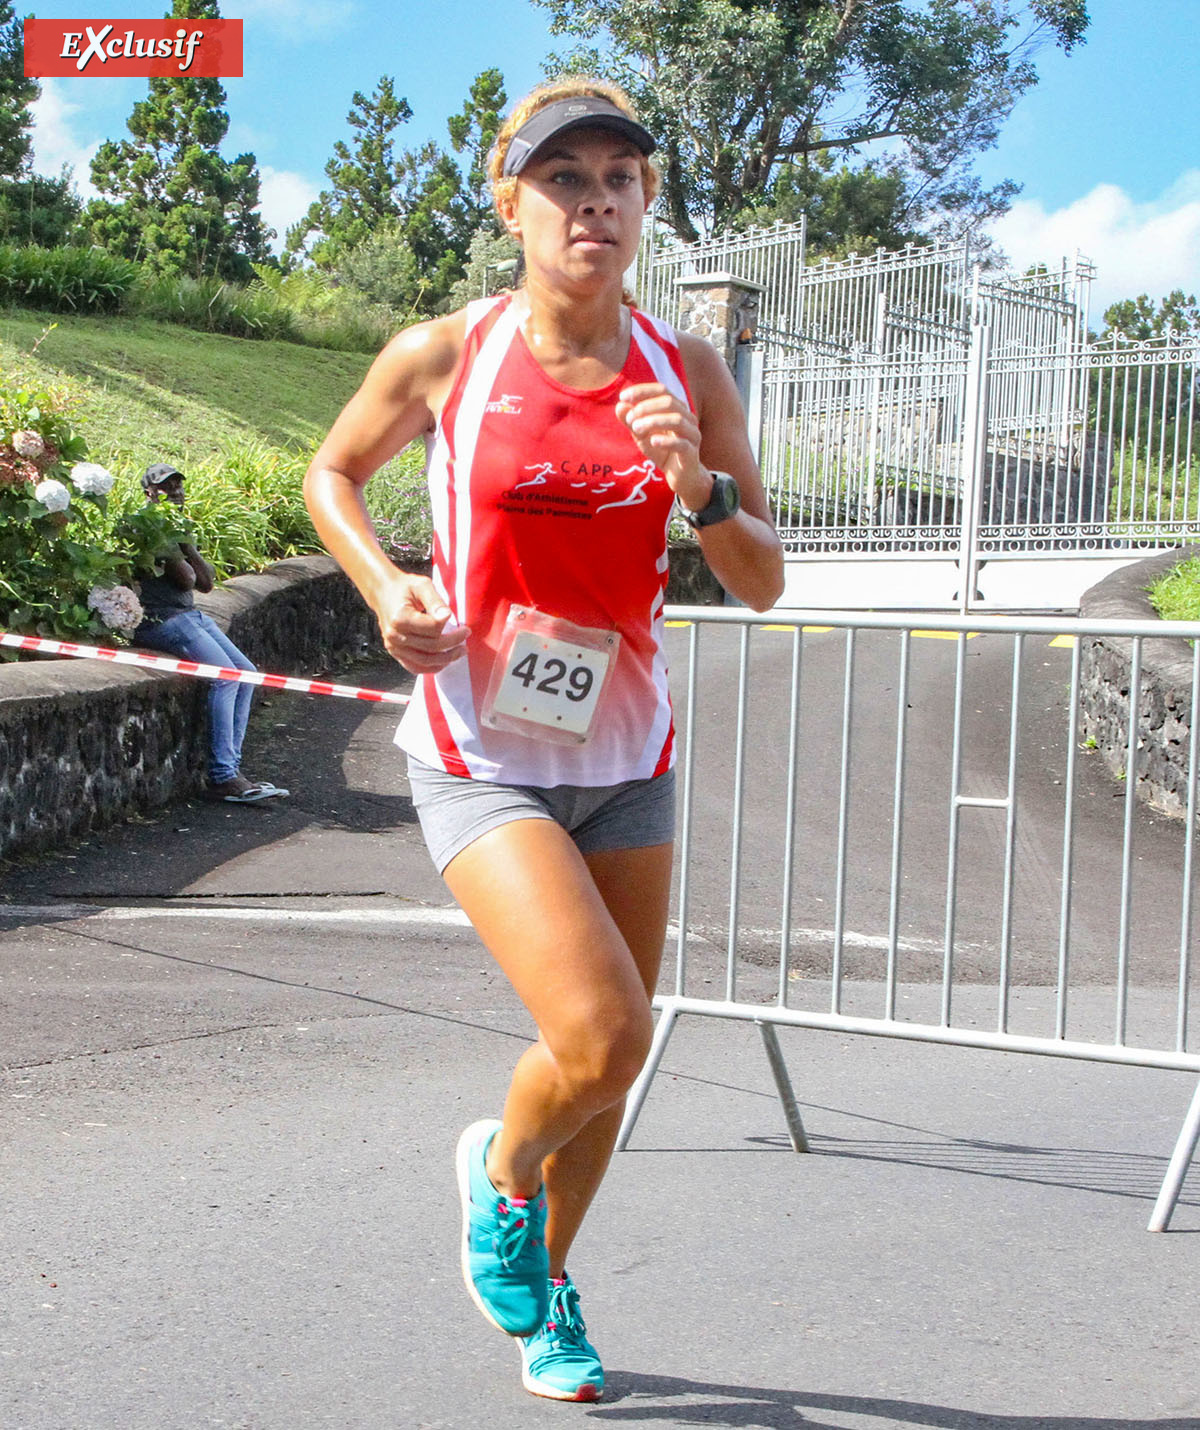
x=166 y=49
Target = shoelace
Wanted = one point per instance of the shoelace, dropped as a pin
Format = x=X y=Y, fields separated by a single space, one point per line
x=564 y=1320
x=513 y=1234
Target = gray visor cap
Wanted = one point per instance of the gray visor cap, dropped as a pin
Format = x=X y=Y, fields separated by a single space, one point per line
x=583 y=111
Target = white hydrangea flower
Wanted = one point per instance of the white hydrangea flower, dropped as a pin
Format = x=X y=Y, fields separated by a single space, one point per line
x=52 y=495
x=28 y=444
x=117 y=606
x=91 y=479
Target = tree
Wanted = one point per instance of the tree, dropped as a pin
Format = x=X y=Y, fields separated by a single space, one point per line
x=33 y=209
x=417 y=197
x=1153 y=405
x=38 y=210
x=1139 y=318
x=735 y=90
x=174 y=202
x=472 y=133
x=365 y=179
x=17 y=93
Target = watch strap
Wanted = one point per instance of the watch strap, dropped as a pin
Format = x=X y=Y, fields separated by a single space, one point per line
x=723 y=502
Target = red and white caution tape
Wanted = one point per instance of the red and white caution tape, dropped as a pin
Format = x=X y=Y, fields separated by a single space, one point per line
x=205 y=672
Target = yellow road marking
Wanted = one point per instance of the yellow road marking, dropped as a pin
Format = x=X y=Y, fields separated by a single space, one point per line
x=1062 y=642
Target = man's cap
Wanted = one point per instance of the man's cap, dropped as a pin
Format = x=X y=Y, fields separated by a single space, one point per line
x=583 y=111
x=158 y=473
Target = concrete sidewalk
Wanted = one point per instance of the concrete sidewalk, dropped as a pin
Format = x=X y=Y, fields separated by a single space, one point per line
x=240 y=1044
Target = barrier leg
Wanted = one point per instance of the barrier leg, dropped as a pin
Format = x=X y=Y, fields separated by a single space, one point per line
x=637 y=1093
x=1189 y=1135
x=783 y=1085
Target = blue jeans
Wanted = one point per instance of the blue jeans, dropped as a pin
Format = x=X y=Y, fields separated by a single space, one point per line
x=194 y=636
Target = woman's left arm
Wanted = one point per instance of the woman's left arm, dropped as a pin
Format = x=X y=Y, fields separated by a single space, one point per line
x=743 y=551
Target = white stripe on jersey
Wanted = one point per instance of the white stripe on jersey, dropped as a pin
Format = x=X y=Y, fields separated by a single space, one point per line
x=467 y=422
x=657 y=357
x=453 y=689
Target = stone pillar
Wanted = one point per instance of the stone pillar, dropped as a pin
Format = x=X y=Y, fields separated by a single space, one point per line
x=721 y=308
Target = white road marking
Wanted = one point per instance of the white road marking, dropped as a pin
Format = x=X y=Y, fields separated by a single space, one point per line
x=433 y=917
x=132 y=913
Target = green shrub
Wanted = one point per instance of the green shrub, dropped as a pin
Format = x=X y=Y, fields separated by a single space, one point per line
x=349 y=328
x=1176 y=596
x=146 y=535
x=295 y=307
x=247 y=506
x=212 y=306
x=326 y=315
x=85 y=280
x=60 y=576
x=398 y=501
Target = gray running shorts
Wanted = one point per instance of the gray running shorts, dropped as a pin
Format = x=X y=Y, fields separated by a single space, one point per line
x=454 y=811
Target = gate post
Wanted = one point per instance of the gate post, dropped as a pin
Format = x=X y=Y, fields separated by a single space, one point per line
x=974 y=459
x=724 y=309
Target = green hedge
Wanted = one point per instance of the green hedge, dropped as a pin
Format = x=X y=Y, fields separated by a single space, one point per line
x=79 y=280
x=286 y=308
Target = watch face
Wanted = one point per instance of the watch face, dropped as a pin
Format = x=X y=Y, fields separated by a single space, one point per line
x=722 y=503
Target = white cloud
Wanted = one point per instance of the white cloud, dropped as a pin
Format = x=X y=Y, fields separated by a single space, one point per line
x=283 y=198
x=54 y=139
x=1150 y=247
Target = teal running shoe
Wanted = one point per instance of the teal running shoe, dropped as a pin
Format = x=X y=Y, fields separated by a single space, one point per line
x=504 y=1259
x=558 y=1361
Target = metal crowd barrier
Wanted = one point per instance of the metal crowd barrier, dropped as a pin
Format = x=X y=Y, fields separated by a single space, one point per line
x=834 y=740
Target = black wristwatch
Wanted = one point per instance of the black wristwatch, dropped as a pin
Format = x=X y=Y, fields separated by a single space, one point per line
x=722 y=504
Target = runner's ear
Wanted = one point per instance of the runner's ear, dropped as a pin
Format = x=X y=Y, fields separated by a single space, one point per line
x=507 y=210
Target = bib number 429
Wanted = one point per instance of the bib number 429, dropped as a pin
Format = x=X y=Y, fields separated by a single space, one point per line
x=579 y=678
x=550 y=683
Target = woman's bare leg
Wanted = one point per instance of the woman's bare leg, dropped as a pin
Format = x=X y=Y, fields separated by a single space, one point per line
x=539 y=909
x=635 y=885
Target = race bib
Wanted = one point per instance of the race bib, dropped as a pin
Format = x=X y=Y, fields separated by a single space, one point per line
x=549 y=676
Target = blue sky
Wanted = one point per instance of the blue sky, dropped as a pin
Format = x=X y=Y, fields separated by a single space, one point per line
x=1107 y=147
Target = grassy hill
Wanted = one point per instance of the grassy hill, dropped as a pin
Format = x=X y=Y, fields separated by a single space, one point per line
x=154 y=391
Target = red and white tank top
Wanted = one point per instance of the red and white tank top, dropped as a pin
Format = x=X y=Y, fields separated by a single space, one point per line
x=542 y=499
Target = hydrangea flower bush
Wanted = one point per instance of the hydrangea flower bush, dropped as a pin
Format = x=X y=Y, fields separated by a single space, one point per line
x=61 y=572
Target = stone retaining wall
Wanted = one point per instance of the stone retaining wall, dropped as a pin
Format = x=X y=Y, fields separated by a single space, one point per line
x=83 y=744
x=1165 y=699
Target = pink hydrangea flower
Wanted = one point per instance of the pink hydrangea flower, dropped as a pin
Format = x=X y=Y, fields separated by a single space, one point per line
x=117 y=607
x=28 y=444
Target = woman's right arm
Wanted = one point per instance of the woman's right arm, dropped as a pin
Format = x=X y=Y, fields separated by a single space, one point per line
x=396 y=403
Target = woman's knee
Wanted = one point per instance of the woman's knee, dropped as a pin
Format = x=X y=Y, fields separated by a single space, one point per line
x=602 y=1054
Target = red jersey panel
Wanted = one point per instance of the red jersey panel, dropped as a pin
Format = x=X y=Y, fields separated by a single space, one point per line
x=542 y=499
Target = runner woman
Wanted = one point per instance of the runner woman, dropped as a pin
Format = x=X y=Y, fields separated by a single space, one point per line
x=561 y=426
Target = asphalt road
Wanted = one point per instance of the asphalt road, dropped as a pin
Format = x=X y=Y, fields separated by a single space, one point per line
x=239 y=1044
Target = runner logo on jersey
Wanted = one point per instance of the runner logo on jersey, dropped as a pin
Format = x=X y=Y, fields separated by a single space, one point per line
x=571 y=488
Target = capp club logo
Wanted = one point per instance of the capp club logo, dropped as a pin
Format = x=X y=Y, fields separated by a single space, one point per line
x=61 y=49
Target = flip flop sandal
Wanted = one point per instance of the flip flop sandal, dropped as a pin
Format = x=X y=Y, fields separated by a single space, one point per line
x=272 y=791
x=250 y=796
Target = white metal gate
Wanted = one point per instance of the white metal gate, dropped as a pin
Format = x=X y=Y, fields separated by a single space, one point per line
x=932 y=436
x=1013 y=460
